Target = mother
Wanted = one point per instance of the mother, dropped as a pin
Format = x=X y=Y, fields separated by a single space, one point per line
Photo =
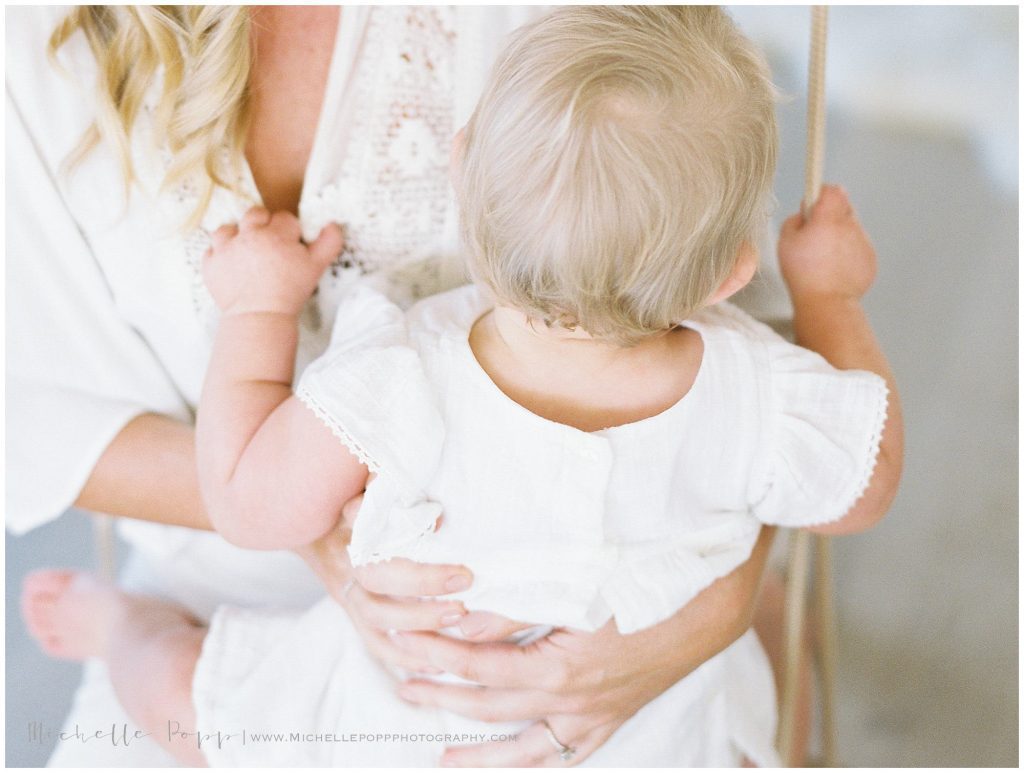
x=166 y=123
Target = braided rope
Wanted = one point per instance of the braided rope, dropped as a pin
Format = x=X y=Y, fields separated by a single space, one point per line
x=815 y=160
x=825 y=614
x=798 y=568
x=800 y=541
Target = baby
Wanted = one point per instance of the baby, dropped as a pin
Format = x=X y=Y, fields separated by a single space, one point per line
x=605 y=435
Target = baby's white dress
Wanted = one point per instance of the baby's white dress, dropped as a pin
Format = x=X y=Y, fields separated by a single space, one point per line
x=560 y=527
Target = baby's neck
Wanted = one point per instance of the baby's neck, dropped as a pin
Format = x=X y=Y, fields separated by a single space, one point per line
x=569 y=377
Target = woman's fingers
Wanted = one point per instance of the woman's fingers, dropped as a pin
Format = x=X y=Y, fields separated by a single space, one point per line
x=527 y=751
x=487 y=704
x=580 y=735
x=486 y=626
x=487 y=663
x=533 y=747
x=401 y=577
x=401 y=614
x=380 y=647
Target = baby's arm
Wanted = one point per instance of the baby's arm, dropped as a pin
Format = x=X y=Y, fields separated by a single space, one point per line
x=829 y=264
x=272 y=476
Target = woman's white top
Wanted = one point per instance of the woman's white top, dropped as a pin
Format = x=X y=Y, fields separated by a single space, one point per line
x=107 y=315
x=562 y=527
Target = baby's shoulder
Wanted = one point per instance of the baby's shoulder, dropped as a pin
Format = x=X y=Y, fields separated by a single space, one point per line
x=730 y=322
x=447 y=315
x=741 y=346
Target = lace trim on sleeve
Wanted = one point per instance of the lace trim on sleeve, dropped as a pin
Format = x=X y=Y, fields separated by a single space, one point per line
x=310 y=401
x=874 y=442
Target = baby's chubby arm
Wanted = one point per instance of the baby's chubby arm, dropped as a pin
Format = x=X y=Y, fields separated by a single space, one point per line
x=271 y=475
x=828 y=264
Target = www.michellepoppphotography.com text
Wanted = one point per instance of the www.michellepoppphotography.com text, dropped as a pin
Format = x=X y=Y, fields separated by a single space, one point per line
x=123 y=735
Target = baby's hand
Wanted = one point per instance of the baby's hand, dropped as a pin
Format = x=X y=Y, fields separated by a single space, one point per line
x=828 y=254
x=261 y=265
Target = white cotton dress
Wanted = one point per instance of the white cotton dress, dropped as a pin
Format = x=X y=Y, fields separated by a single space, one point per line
x=560 y=528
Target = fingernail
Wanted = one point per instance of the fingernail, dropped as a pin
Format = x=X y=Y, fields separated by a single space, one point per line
x=451 y=618
x=472 y=628
x=457 y=582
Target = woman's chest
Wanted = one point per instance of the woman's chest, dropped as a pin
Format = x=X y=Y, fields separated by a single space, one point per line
x=293 y=48
x=378 y=167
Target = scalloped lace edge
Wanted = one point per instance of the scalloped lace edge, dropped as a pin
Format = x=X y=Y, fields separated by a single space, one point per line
x=397 y=543
x=353 y=445
x=368 y=556
x=874 y=444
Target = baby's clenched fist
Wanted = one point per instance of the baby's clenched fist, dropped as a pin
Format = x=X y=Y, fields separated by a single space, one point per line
x=828 y=254
x=262 y=266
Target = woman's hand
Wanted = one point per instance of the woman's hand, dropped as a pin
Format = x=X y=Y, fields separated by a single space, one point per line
x=584 y=685
x=383 y=598
x=328 y=556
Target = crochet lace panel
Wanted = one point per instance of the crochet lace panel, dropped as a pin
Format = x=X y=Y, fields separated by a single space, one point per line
x=392 y=192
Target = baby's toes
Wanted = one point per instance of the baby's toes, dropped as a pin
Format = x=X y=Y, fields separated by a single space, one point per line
x=47 y=581
x=39 y=596
x=56 y=645
x=39 y=614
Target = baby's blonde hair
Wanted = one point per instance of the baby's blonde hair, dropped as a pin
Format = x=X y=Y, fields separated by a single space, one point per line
x=615 y=165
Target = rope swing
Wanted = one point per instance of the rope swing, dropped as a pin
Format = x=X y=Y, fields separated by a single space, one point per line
x=800 y=545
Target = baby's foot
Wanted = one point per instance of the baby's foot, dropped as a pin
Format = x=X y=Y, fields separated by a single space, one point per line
x=70 y=614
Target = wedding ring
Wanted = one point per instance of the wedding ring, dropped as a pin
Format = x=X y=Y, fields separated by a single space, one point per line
x=565 y=752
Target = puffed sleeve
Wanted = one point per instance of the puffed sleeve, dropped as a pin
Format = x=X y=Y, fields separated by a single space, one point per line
x=76 y=372
x=370 y=389
x=822 y=429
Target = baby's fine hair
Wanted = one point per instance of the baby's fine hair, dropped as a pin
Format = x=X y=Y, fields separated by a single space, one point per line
x=618 y=160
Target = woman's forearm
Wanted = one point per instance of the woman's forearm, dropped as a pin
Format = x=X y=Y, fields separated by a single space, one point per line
x=837 y=328
x=148 y=472
x=719 y=615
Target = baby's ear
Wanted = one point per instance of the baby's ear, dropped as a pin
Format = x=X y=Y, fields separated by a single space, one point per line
x=740 y=276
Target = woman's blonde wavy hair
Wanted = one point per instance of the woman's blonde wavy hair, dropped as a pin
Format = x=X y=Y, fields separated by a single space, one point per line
x=204 y=53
